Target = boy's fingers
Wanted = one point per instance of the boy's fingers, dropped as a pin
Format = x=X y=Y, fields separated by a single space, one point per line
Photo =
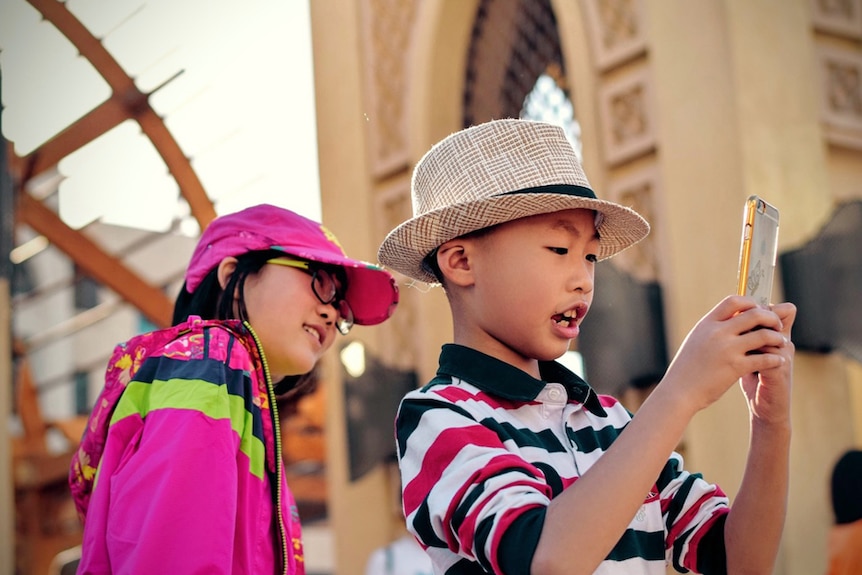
x=732 y=306
x=764 y=361
x=756 y=319
x=786 y=312
x=760 y=341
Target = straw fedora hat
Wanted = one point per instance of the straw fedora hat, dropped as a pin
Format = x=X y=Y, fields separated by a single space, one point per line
x=494 y=173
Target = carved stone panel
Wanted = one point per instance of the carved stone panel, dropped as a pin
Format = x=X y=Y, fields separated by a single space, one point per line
x=638 y=191
x=841 y=94
x=392 y=207
x=386 y=34
x=841 y=17
x=616 y=30
x=626 y=111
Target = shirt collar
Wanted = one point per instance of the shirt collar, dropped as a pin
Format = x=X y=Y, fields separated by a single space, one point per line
x=507 y=381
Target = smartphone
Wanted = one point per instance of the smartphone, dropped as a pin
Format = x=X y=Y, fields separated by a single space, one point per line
x=758 y=250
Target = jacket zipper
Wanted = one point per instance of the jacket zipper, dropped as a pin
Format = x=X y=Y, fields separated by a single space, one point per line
x=282 y=531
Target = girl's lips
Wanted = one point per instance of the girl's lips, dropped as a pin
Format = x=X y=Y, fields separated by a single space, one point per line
x=315 y=331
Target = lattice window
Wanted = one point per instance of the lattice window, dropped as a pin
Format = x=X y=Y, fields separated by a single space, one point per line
x=514 y=44
x=548 y=102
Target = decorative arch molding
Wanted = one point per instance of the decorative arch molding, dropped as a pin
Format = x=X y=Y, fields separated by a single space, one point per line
x=582 y=82
x=386 y=36
x=604 y=68
x=441 y=40
x=511 y=45
x=605 y=47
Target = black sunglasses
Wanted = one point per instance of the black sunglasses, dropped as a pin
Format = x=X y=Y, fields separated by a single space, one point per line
x=326 y=286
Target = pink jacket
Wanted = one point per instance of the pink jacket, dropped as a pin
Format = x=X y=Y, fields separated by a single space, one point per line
x=845 y=549
x=177 y=470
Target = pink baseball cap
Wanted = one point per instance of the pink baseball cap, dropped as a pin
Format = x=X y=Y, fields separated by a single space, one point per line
x=371 y=290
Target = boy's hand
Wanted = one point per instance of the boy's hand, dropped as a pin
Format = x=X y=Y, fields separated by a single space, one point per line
x=718 y=351
x=768 y=391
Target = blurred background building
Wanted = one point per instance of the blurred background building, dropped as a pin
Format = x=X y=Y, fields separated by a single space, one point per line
x=131 y=124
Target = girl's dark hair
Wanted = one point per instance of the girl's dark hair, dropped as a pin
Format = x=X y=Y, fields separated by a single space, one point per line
x=210 y=301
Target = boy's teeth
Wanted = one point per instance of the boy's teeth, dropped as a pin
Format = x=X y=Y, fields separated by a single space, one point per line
x=565 y=318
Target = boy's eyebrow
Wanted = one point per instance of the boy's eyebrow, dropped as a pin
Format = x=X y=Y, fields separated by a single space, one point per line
x=566 y=226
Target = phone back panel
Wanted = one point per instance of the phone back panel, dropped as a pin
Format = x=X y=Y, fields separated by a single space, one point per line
x=759 y=248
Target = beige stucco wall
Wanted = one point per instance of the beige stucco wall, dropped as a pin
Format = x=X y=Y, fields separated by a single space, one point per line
x=355 y=516
x=735 y=108
x=749 y=124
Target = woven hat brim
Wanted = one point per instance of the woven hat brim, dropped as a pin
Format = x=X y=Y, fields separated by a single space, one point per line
x=407 y=245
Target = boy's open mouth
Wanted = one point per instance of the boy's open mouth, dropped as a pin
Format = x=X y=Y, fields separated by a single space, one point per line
x=569 y=317
x=566 y=318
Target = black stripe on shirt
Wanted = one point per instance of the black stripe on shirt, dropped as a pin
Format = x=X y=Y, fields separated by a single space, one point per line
x=236 y=381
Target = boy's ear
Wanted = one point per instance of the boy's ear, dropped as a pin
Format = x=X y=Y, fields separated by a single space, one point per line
x=453 y=258
x=226 y=268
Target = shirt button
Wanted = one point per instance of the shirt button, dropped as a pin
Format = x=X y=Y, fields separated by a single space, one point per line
x=554 y=393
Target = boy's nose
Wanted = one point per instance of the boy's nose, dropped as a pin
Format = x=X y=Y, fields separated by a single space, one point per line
x=582 y=277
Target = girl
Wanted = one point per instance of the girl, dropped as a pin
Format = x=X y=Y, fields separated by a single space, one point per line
x=179 y=470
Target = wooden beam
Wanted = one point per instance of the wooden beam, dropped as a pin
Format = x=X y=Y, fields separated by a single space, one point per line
x=179 y=166
x=134 y=102
x=103 y=267
x=99 y=120
x=8 y=535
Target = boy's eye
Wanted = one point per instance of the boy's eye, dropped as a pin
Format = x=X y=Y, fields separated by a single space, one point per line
x=559 y=251
x=592 y=258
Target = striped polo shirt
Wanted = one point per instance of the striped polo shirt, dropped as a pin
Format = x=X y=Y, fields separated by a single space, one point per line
x=484 y=447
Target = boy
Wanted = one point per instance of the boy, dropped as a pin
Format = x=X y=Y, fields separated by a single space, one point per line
x=512 y=464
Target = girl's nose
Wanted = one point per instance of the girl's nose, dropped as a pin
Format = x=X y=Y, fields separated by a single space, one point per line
x=328 y=312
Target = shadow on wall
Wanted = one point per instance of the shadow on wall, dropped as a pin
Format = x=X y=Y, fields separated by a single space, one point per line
x=622 y=339
x=824 y=279
x=372 y=393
